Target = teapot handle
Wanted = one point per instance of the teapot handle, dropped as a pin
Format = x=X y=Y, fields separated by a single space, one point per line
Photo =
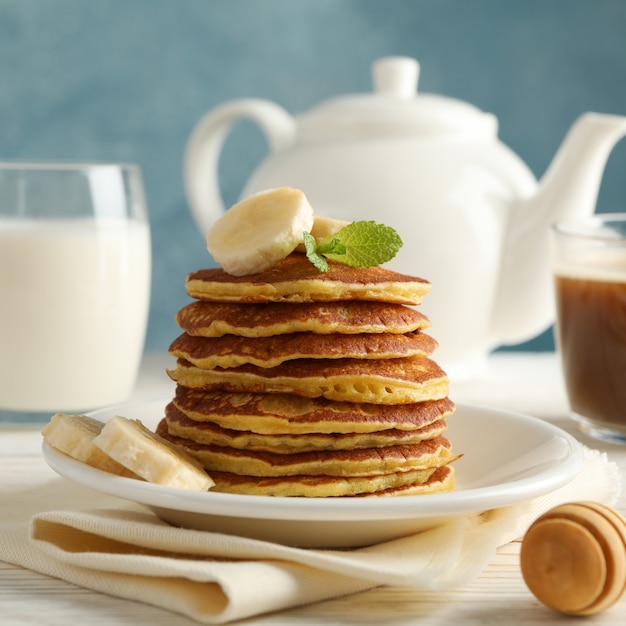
x=205 y=145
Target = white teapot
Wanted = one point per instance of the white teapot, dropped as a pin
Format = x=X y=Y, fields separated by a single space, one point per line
x=473 y=218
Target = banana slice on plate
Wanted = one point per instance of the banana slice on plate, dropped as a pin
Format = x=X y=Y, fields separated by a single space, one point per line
x=140 y=450
x=74 y=434
x=260 y=230
x=127 y=448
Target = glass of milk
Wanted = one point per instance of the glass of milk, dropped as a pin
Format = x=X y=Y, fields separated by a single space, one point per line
x=74 y=287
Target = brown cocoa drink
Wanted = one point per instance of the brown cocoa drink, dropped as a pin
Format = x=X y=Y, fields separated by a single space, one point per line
x=592 y=342
x=589 y=266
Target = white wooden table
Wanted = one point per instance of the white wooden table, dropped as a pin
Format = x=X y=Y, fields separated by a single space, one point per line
x=521 y=382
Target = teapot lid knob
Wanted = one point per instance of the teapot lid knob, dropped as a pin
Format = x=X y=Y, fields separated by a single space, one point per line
x=395 y=109
x=396 y=76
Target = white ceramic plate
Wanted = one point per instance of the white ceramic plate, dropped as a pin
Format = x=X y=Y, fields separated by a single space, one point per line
x=507 y=458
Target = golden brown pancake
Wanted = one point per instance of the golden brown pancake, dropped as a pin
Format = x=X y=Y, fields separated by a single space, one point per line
x=179 y=425
x=230 y=351
x=442 y=480
x=417 y=482
x=362 y=462
x=215 y=319
x=389 y=381
x=295 y=279
x=287 y=414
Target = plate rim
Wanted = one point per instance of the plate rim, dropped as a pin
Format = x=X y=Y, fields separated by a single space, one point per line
x=429 y=506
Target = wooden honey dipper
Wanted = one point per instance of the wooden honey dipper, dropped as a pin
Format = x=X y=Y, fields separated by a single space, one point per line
x=573 y=558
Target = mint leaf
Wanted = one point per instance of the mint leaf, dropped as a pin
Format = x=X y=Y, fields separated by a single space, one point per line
x=359 y=244
x=331 y=245
x=310 y=245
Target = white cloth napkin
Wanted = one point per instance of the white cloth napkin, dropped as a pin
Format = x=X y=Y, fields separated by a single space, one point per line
x=118 y=548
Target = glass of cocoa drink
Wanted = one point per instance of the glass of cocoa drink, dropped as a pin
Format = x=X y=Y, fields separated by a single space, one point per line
x=590 y=283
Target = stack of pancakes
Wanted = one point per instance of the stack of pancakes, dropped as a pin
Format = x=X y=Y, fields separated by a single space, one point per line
x=294 y=382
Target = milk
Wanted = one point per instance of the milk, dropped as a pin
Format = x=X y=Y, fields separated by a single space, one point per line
x=74 y=298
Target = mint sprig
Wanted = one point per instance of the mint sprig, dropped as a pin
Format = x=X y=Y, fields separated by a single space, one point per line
x=359 y=244
x=310 y=245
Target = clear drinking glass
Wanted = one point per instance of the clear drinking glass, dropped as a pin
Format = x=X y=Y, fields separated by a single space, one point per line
x=75 y=271
x=590 y=282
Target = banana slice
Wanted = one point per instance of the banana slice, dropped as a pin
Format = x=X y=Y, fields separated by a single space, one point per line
x=259 y=231
x=140 y=450
x=324 y=227
x=74 y=435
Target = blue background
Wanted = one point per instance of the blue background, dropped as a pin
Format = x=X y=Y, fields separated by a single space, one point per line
x=126 y=80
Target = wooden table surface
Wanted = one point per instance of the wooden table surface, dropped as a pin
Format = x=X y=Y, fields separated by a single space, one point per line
x=523 y=382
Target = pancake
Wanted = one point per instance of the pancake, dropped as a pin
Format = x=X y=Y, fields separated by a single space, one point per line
x=230 y=351
x=179 y=425
x=362 y=462
x=442 y=480
x=417 y=482
x=295 y=279
x=215 y=319
x=389 y=381
x=287 y=414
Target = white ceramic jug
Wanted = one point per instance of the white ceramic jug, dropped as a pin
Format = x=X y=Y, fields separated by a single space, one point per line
x=473 y=218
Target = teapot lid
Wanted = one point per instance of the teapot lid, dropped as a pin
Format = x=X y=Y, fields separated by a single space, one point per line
x=395 y=109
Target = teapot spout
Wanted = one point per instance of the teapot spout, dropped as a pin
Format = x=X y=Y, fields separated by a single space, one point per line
x=569 y=188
